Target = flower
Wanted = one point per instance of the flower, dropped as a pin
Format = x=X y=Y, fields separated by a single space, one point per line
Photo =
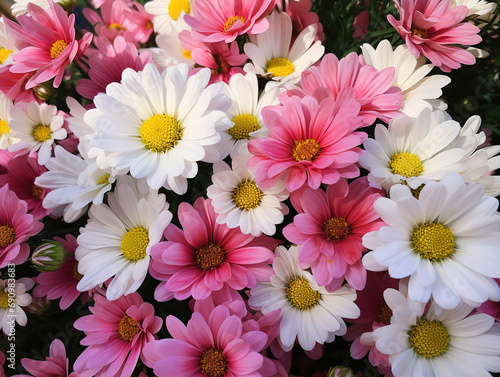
x=447 y=242
x=167 y=14
x=308 y=311
x=7 y=135
x=299 y=12
x=13 y=297
x=49 y=256
x=116 y=334
x=477 y=8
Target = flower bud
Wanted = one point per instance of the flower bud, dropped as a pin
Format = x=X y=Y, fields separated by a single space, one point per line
x=340 y=371
x=49 y=256
x=38 y=306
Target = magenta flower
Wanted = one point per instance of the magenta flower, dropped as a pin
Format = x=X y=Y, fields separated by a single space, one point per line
x=206 y=256
x=50 y=44
x=117 y=333
x=309 y=141
x=436 y=30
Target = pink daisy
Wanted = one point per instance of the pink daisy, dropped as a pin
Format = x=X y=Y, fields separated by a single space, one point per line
x=436 y=30
x=49 y=43
x=491 y=307
x=329 y=230
x=309 y=141
x=299 y=12
x=13 y=85
x=117 y=332
x=206 y=256
x=224 y=20
x=16 y=227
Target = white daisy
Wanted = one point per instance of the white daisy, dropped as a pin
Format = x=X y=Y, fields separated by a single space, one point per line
x=412 y=151
x=118 y=237
x=20 y=7
x=13 y=297
x=447 y=242
x=7 y=44
x=445 y=343
x=419 y=90
x=37 y=127
x=239 y=202
x=308 y=311
x=7 y=135
x=167 y=13
x=477 y=8
x=272 y=56
x=158 y=126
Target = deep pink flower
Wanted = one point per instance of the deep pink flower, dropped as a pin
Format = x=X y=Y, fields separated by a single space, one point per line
x=117 y=332
x=49 y=43
x=13 y=85
x=436 y=30
x=299 y=12
x=224 y=20
x=206 y=256
x=2 y=361
x=491 y=307
x=309 y=141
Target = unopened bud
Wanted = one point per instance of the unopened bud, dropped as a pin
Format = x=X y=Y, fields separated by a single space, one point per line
x=340 y=371
x=49 y=256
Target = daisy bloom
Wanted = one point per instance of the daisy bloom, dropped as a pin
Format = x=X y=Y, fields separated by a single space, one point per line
x=308 y=311
x=273 y=55
x=299 y=12
x=477 y=8
x=436 y=30
x=20 y=7
x=13 y=297
x=7 y=135
x=447 y=242
x=37 y=126
x=309 y=141
x=328 y=230
x=118 y=237
x=116 y=334
x=49 y=37
x=239 y=202
x=206 y=256
x=438 y=343
x=159 y=125
x=167 y=14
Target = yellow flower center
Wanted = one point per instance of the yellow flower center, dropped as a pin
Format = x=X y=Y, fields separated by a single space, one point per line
x=243 y=125
x=4 y=299
x=57 y=48
x=4 y=54
x=406 y=164
x=300 y=294
x=7 y=235
x=128 y=328
x=74 y=272
x=103 y=180
x=175 y=7
x=116 y=26
x=433 y=241
x=161 y=133
x=429 y=338
x=230 y=22
x=213 y=363
x=306 y=150
x=384 y=313
x=186 y=53
x=41 y=133
x=280 y=67
x=336 y=228
x=36 y=191
x=4 y=127
x=134 y=243
x=422 y=33
x=247 y=196
x=209 y=257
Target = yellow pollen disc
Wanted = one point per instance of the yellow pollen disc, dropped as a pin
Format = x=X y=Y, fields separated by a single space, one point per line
x=41 y=133
x=186 y=53
x=300 y=294
x=161 y=133
x=247 y=196
x=116 y=26
x=57 y=48
x=175 y=7
x=4 y=127
x=36 y=191
x=336 y=228
x=243 y=125
x=429 y=338
x=74 y=272
x=4 y=299
x=134 y=243
x=128 y=328
x=280 y=67
x=384 y=313
x=4 y=54
x=7 y=235
x=433 y=241
x=422 y=33
x=103 y=180
x=209 y=257
x=213 y=363
x=229 y=23
x=307 y=149
x=406 y=164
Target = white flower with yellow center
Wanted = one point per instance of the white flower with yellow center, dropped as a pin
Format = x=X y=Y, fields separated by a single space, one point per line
x=159 y=125
x=167 y=13
x=7 y=135
x=419 y=90
x=438 y=342
x=477 y=8
x=13 y=297
x=7 y=44
x=239 y=202
x=118 y=237
x=447 y=242
x=308 y=311
x=272 y=56
x=412 y=151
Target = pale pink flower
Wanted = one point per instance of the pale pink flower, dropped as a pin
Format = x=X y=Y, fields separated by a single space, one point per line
x=309 y=141
x=224 y=20
x=299 y=12
x=436 y=30
x=49 y=43
x=117 y=332
x=206 y=256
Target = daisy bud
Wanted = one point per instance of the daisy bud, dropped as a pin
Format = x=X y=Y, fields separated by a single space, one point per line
x=49 y=256
x=45 y=90
x=340 y=371
x=38 y=306
x=68 y=5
